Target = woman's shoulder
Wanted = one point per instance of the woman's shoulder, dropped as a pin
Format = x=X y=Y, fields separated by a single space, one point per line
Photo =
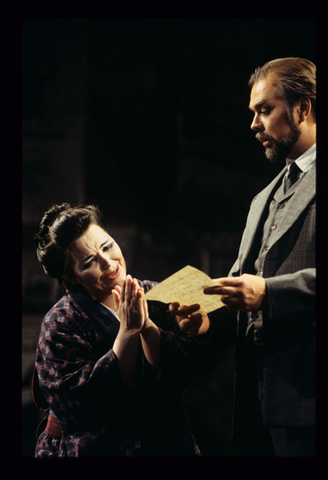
x=64 y=303
x=64 y=310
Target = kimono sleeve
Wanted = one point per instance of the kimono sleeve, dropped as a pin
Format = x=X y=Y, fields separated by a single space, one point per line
x=78 y=386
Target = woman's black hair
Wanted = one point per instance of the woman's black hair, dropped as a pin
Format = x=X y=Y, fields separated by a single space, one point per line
x=59 y=227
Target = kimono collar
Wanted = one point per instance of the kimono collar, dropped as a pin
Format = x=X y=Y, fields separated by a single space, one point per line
x=97 y=312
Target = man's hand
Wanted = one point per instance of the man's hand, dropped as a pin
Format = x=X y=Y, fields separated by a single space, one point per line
x=189 y=320
x=244 y=293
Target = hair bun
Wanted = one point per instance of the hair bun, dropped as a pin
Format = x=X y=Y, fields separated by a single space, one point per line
x=59 y=227
x=49 y=217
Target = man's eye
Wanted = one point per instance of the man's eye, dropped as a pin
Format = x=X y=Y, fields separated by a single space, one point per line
x=264 y=112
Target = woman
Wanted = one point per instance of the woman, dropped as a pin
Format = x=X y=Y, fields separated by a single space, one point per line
x=110 y=378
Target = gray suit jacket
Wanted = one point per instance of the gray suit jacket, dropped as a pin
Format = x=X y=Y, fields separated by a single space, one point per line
x=288 y=389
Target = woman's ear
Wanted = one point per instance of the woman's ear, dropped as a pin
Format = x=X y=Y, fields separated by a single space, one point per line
x=69 y=279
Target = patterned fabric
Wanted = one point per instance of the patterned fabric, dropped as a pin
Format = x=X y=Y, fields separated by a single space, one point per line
x=77 y=376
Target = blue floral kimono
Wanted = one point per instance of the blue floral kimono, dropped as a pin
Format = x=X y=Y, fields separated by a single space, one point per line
x=77 y=381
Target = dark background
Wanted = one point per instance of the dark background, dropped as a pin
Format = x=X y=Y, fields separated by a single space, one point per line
x=148 y=119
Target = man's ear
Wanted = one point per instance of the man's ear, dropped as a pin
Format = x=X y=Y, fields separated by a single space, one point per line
x=305 y=109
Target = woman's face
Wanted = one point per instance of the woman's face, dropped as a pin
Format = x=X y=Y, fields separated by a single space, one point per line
x=98 y=263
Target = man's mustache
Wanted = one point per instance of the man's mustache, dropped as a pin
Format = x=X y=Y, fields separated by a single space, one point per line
x=263 y=137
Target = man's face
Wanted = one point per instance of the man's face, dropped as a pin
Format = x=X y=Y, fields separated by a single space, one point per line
x=275 y=126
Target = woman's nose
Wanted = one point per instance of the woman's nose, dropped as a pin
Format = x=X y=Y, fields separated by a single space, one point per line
x=107 y=263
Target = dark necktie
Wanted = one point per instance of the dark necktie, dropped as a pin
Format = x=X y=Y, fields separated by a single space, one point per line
x=294 y=172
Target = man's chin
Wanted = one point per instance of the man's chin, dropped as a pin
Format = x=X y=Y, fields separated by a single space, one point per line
x=273 y=156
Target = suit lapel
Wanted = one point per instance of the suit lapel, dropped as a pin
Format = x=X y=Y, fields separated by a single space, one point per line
x=300 y=199
x=256 y=215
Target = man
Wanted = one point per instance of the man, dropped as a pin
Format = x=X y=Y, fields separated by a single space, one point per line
x=271 y=286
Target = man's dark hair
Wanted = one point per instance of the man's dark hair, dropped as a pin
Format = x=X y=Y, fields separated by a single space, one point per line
x=297 y=79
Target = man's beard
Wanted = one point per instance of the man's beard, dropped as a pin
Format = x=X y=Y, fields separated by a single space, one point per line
x=281 y=148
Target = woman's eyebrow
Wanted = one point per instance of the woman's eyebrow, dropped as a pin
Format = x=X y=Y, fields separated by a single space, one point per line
x=90 y=256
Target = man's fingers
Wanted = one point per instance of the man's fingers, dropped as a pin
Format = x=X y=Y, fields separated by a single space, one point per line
x=191 y=324
x=186 y=310
x=220 y=290
x=225 y=286
x=174 y=306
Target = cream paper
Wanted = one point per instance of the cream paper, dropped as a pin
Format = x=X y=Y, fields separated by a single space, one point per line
x=186 y=287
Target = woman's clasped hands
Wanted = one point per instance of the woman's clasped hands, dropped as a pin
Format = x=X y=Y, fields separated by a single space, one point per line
x=131 y=307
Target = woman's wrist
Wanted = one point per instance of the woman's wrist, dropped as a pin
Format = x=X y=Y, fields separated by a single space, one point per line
x=125 y=334
x=150 y=339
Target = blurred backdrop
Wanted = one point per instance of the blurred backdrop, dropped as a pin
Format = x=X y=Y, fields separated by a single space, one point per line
x=148 y=119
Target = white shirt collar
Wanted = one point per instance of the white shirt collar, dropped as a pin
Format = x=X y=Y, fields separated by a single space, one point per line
x=111 y=310
x=306 y=160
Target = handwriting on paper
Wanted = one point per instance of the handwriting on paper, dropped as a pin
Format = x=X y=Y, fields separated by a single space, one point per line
x=186 y=287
